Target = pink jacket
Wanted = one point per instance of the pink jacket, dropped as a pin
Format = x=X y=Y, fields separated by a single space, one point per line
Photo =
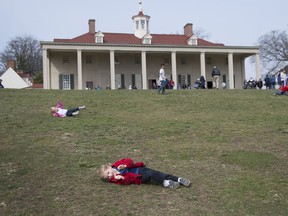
x=59 y=106
x=129 y=177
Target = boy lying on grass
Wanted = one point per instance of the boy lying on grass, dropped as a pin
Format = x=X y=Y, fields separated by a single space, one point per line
x=125 y=172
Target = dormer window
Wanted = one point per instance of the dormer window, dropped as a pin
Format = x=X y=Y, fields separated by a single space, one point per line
x=193 y=40
x=147 y=39
x=99 y=37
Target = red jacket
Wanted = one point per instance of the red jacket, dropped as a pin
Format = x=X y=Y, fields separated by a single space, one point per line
x=284 y=88
x=129 y=177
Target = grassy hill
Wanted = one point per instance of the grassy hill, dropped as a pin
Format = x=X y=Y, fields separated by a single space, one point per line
x=231 y=144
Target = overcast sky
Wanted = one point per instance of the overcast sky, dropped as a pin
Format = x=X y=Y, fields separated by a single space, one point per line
x=236 y=23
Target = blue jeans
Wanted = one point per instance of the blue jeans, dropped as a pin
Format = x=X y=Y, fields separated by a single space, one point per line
x=280 y=92
x=162 y=87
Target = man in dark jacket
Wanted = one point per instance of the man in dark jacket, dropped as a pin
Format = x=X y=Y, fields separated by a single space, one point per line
x=215 y=75
x=1 y=86
x=267 y=82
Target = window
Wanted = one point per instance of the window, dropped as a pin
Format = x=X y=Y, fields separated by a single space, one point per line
x=88 y=59
x=89 y=85
x=65 y=59
x=142 y=24
x=117 y=59
x=147 y=41
x=183 y=61
x=193 y=40
x=137 y=60
x=66 y=81
x=226 y=61
x=208 y=60
x=166 y=61
x=99 y=39
x=137 y=24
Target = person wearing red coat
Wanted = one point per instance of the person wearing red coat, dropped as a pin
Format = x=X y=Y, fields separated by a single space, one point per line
x=125 y=171
x=282 y=90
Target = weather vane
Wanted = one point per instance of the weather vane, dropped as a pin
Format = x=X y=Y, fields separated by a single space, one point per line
x=140 y=5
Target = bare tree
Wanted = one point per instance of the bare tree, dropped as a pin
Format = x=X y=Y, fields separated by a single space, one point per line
x=2 y=67
x=274 y=50
x=201 y=33
x=27 y=53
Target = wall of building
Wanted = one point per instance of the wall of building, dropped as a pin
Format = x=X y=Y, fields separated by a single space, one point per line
x=98 y=70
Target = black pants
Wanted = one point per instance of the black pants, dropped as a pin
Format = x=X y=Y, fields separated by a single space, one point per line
x=71 y=111
x=153 y=175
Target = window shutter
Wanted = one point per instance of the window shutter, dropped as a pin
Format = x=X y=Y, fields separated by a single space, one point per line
x=179 y=79
x=72 y=81
x=133 y=80
x=60 y=81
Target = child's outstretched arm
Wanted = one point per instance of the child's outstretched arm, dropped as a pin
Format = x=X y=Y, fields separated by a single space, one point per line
x=59 y=104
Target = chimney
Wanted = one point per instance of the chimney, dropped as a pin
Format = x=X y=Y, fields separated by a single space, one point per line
x=11 y=63
x=91 y=24
x=188 y=29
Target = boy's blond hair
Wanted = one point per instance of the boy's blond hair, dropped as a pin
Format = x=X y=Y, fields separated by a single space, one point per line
x=101 y=171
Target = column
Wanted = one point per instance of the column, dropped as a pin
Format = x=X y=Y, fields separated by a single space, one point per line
x=174 y=69
x=144 y=70
x=45 y=70
x=79 y=64
x=257 y=66
x=203 y=65
x=231 y=71
x=112 y=68
x=243 y=69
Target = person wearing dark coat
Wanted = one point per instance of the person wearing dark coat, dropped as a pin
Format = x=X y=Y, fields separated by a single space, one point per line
x=1 y=85
x=202 y=80
x=215 y=75
x=267 y=82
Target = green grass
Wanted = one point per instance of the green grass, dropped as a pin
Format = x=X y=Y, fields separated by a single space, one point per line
x=231 y=144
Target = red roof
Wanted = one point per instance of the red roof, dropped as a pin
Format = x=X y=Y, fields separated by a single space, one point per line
x=122 y=38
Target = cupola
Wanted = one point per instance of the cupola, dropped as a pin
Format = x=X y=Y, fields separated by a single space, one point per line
x=141 y=23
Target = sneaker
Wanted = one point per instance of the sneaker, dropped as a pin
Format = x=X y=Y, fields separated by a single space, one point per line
x=173 y=185
x=184 y=182
x=75 y=113
x=82 y=107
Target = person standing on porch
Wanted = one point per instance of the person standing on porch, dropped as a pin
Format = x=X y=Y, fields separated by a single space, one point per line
x=162 y=79
x=215 y=75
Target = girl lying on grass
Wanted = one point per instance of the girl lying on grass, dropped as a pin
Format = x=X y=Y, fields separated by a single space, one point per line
x=125 y=172
x=59 y=110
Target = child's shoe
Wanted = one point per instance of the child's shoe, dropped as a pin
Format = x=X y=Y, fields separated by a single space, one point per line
x=75 y=113
x=173 y=185
x=184 y=182
x=82 y=107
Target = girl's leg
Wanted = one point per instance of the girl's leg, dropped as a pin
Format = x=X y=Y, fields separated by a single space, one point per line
x=71 y=111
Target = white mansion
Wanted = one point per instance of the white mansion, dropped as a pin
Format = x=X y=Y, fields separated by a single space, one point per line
x=119 y=59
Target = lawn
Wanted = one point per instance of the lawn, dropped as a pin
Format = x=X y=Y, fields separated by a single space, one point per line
x=231 y=144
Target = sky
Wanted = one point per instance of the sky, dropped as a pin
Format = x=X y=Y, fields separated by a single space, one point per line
x=231 y=22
